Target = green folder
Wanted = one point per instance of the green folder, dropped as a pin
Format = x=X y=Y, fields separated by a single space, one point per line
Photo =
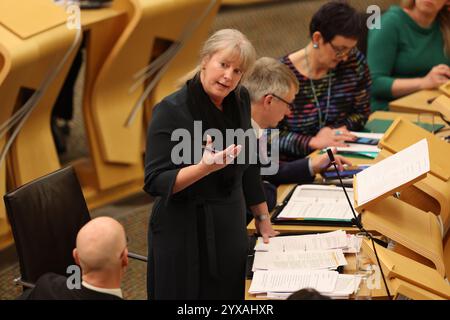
x=381 y=126
x=355 y=154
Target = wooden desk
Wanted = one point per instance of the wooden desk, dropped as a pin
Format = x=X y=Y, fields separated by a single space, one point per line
x=416 y=102
x=283 y=190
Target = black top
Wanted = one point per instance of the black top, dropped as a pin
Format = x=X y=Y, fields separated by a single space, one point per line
x=52 y=286
x=197 y=237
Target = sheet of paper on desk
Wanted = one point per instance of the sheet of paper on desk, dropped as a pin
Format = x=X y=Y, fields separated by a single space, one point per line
x=318 y=202
x=355 y=147
x=346 y=285
x=353 y=244
x=299 y=260
x=369 y=135
x=291 y=281
x=322 y=241
x=393 y=172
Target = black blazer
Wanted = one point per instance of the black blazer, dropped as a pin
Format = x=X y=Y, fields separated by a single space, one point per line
x=197 y=243
x=52 y=286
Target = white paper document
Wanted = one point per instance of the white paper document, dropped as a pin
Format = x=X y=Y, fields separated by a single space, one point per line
x=392 y=172
x=291 y=281
x=369 y=135
x=316 y=202
x=346 y=285
x=323 y=241
x=356 y=147
x=299 y=260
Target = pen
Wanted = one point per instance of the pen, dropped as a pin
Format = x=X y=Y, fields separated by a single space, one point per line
x=215 y=151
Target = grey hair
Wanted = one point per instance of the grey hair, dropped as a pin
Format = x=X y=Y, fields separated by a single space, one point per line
x=270 y=76
x=232 y=41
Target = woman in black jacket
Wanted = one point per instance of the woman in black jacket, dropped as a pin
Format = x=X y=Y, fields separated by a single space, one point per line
x=197 y=233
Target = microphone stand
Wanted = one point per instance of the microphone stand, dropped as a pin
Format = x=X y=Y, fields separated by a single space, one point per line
x=357 y=221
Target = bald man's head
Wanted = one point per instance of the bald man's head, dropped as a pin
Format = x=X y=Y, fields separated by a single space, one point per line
x=101 y=244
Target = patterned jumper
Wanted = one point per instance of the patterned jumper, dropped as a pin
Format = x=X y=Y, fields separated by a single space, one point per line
x=349 y=105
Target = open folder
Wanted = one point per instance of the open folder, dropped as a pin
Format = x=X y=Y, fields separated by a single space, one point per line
x=391 y=174
x=315 y=205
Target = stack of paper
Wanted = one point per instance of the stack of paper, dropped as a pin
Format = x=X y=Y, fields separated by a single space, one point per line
x=290 y=263
x=291 y=281
x=369 y=135
x=338 y=239
x=366 y=150
x=281 y=284
x=299 y=260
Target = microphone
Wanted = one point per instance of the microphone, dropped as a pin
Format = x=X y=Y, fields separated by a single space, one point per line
x=357 y=220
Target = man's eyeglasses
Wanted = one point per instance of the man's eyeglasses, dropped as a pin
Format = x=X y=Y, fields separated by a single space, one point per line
x=342 y=52
x=289 y=104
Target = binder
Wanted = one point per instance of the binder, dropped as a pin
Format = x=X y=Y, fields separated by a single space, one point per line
x=276 y=219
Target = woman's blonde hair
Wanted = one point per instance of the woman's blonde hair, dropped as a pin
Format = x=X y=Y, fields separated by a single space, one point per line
x=231 y=40
x=443 y=18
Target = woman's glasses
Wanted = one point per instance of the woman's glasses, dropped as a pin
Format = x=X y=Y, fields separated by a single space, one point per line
x=342 y=52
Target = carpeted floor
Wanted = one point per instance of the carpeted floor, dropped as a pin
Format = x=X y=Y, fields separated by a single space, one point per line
x=275 y=28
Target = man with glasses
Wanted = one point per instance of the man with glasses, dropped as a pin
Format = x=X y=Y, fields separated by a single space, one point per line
x=334 y=95
x=272 y=88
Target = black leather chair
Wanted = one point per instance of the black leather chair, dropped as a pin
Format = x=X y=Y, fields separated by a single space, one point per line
x=45 y=216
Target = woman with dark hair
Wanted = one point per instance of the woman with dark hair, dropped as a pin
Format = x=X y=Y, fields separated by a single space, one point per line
x=334 y=84
x=411 y=51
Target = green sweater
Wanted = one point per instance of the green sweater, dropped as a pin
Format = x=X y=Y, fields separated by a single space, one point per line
x=401 y=49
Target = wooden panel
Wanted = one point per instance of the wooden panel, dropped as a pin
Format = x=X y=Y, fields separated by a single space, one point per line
x=416 y=102
x=29 y=18
x=412 y=228
x=26 y=62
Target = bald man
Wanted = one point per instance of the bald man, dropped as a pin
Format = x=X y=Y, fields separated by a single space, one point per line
x=101 y=252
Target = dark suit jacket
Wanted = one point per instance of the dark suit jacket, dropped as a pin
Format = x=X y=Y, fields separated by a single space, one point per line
x=296 y=171
x=52 y=286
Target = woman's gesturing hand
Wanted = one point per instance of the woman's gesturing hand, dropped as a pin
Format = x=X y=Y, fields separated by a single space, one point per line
x=214 y=160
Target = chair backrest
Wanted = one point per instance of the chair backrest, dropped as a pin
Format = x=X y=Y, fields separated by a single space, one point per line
x=46 y=215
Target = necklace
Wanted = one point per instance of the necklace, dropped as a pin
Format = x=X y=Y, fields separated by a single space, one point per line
x=316 y=100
